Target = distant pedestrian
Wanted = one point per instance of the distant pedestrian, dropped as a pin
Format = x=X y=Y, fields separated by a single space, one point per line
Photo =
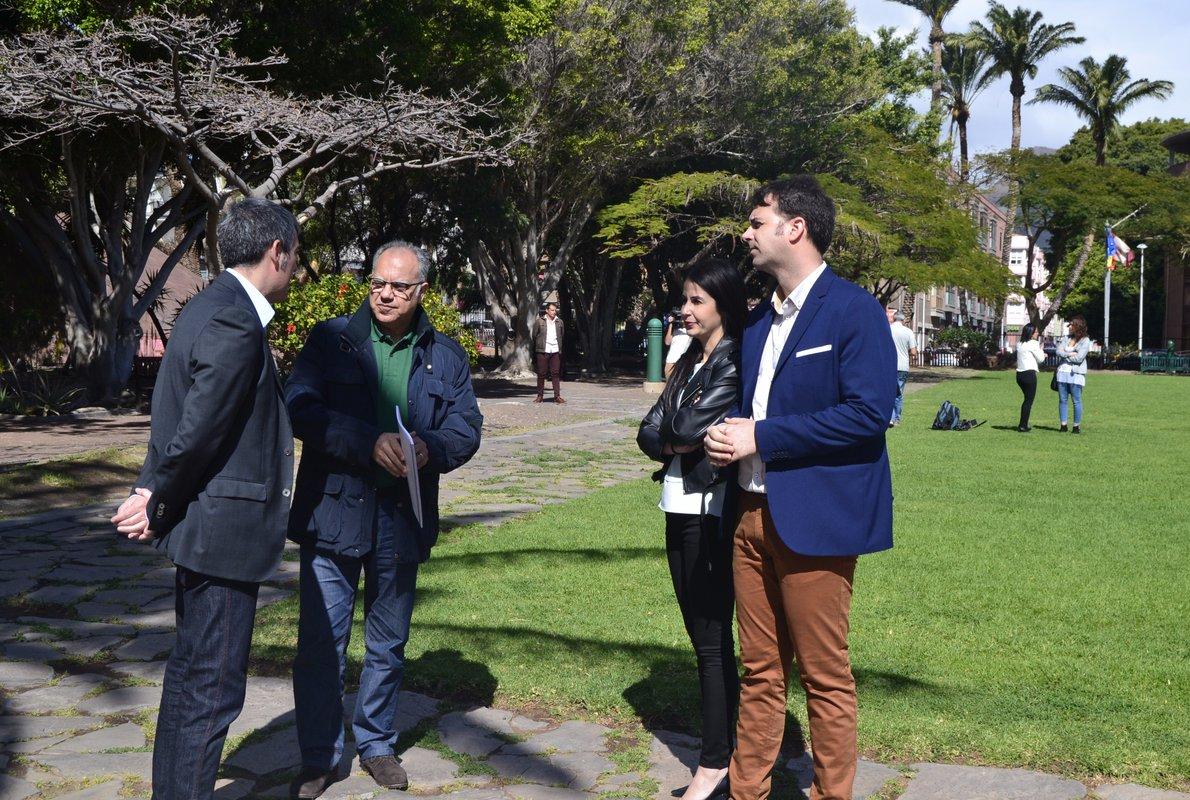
x=1029 y=358
x=700 y=392
x=548 y=333
x=1072 y=371
x=903 y=339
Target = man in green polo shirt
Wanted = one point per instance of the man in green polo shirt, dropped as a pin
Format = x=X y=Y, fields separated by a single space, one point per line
x=353 y=513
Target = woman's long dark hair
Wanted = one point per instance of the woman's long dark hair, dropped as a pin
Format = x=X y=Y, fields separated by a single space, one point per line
x=723 y=282
x=1027 y=332
x=1078 y=328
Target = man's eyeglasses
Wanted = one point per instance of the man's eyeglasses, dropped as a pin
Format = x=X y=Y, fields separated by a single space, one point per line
x=405 y=290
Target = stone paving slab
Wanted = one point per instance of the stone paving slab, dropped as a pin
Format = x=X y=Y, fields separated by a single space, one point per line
x=15 y=788
x=122 y=700
x=956 y=782
x=16 y=675
x=104 y=791
x=92 y=765
x=128 y=736
x=16 y=728
x=66 y=693
x=150 y=671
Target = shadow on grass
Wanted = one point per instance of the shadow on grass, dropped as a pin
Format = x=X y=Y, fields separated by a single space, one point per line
x=502 y=557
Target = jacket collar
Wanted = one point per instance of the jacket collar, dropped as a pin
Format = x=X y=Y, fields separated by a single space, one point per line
x=359 y=327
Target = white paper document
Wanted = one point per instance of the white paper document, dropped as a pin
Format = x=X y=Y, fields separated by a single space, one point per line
x=410 y=466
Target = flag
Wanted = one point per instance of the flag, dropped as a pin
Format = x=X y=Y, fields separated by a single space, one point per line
x=1118 y=251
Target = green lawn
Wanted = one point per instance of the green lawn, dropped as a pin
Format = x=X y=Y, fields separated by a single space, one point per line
x=1033 y=613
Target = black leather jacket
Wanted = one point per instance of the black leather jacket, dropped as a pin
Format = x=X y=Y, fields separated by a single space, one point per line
x=707 y=398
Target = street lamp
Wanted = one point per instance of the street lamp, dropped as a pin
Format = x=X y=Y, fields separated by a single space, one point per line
x=1140 y=326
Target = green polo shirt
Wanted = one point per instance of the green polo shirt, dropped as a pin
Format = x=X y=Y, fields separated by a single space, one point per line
x=394 y=361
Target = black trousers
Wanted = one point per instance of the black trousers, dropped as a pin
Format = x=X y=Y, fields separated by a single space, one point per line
x=205 y=681
x=700 y=565
x=1027 y=380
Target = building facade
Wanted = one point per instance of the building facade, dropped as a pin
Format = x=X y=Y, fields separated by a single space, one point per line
x=942 y=306
x=1016 y=314
x=1177 y=279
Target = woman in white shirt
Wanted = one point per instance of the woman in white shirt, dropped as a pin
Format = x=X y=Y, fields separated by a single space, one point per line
x=1029 y=358
x=699 y=393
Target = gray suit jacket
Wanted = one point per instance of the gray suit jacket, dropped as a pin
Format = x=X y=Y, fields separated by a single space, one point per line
x=220 y=458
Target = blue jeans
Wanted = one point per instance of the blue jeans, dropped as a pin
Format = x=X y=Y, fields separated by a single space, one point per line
x=327 y=595
x=899 y=403
x=205 y=679
x=1075 y=393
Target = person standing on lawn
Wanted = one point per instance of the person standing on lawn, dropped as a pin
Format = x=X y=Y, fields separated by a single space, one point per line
x=903 y=340
x=353 y=511
x=1029 y=358
x=814 y=491
x=214 y=490
x=700 y=391
x=548 y=333
x=1072 y=372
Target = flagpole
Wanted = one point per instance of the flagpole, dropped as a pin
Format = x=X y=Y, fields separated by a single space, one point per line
x=1107 y=286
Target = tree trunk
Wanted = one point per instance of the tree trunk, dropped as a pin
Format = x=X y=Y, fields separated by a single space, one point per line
x=1018 y=90
x=936 y=38
x=1071 y=279
x=595 y=307
x=964 y=161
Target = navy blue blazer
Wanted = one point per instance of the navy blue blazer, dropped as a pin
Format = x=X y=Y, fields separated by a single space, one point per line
x=331 y=397
x=827 y=475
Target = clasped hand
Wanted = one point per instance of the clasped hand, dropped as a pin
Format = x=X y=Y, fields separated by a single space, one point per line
x=389 y=454
x=729 y=441
x=131 y=518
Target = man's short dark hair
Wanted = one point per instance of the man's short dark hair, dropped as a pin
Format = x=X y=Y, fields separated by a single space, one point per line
x=801 y=196
x=250 y=227
x=547 y=305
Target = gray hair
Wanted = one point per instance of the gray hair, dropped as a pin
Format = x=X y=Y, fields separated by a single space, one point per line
x=249 y=228
x=898 y=316
x=423 y=256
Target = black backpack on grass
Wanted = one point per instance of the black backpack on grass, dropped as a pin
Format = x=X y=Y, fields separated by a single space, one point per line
x=949 y=419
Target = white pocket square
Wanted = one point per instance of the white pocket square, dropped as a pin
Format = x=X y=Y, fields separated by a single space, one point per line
x=811 y=351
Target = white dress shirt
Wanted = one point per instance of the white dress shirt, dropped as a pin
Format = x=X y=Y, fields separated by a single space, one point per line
x=674 y=498
x=752 y=468
x=1029 y=356
x=263 y=309
x=551 y=335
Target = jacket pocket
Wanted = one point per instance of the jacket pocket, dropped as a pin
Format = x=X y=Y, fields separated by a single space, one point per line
x=238 y=489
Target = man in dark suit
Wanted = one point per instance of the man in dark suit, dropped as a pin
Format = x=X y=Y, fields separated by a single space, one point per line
x=354 y=512
x=818 y=380
x=215 y=488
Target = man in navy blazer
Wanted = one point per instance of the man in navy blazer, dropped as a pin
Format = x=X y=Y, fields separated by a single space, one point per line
x=818 y=381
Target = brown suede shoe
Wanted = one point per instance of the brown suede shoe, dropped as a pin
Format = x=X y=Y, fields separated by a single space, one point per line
x=559 y=400
x=536 y=399
x=387 y=772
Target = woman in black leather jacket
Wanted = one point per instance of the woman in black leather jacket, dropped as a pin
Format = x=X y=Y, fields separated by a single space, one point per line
x=700 y=391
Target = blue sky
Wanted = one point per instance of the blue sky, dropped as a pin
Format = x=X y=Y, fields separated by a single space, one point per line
x=1154 y=36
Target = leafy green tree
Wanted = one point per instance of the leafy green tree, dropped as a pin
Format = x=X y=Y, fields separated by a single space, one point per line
x=1017 y=42
x=901 y=224
x=622 y=89
x=1100 y=93
x=964 y=77
x=935 y=12
x=1070 y=202
x=1136 y=147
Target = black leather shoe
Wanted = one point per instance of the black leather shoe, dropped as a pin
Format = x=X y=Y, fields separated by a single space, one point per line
x=310 y=783
x=1023 y=428
x=387 y=772
x=1076 y=430
x=1062 y=429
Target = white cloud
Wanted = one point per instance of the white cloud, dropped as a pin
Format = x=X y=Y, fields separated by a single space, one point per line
x=1150 y=33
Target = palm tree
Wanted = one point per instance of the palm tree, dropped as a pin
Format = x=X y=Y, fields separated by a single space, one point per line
x=1016 y=42
x=1101 y=93
x=935 y=11
x=964 y=76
